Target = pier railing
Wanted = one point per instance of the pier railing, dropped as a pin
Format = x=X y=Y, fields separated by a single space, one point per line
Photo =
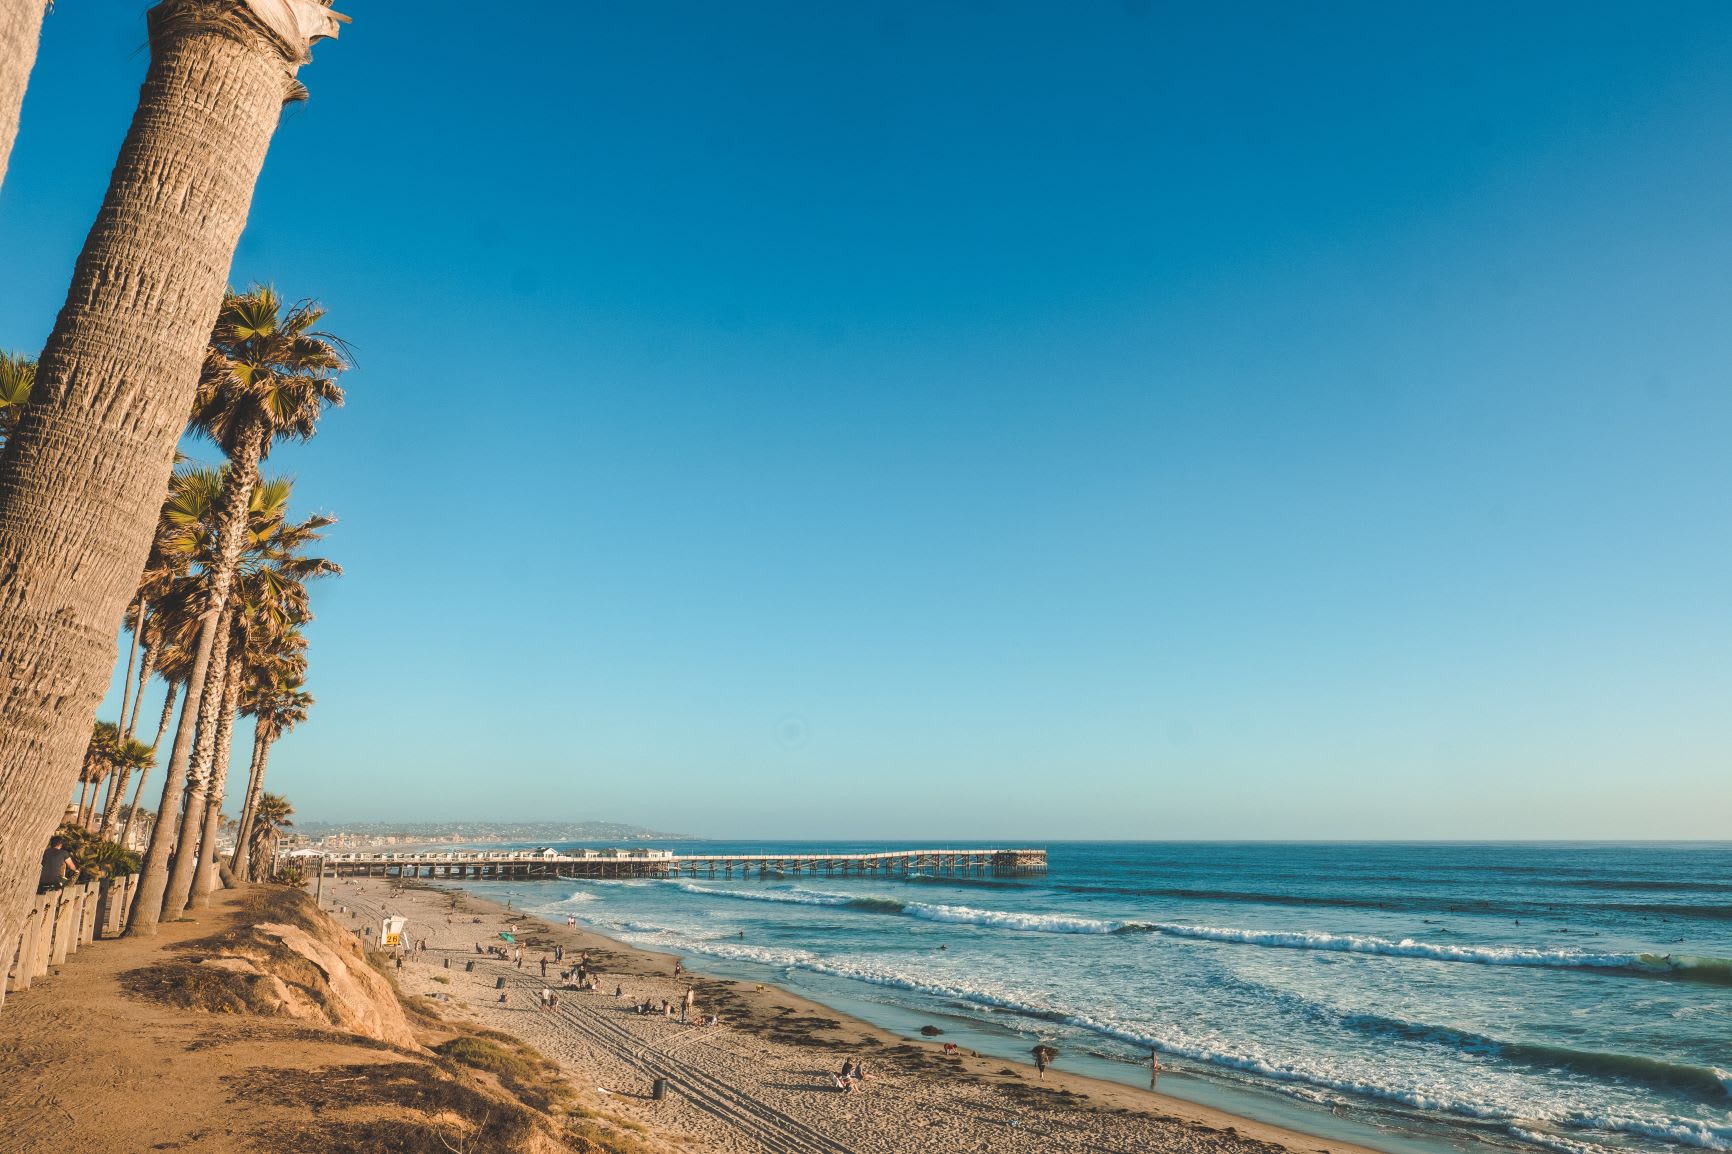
x=60 y=921
x=501 y=864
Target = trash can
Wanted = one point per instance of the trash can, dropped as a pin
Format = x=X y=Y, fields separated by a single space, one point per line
x=448 y=963
x=469 y=967
x=499 y=983
x=659 y=1089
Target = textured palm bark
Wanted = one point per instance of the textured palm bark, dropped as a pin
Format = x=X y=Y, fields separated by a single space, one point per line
x=131 y=660
x=144 y=774
x=82 y=480
x=204 y=880
x=111 y=807
x=144 y=671
x=167 y=714
x=197 y=781
x=20 y=31
x=241 y=864
x=153 y=875
x=231 y=516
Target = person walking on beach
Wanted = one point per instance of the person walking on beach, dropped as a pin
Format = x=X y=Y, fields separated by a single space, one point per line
x=690 y=1001
x=544 y=967
x=1154 y=1068
x=1043 y=1056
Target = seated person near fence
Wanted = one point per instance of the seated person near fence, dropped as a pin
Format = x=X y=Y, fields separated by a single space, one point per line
x=58 y=868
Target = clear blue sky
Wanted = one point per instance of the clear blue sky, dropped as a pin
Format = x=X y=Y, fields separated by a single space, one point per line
x=997 y=420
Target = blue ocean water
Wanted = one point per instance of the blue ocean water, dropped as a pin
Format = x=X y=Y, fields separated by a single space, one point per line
x=1575 y=997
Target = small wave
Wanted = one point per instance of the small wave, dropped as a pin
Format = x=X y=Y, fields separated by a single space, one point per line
x=1714 y=971
x=1710 y=1083
x=1553 y=1141
x=1682 y=1131
x=1008 y=920
x=962 y=880
x=790 y=896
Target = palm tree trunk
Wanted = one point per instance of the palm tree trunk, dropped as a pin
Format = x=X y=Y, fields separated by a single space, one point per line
x=153 y=875
x=138 y=692
x=82 y=479
x=131 y=660
x=167 y=712
x=206 y=878
x=78 y=811
x=144 y=774
x=20 y=30
x=116 y=791
x=89 y=816
x=179 y=886
x=241 y=864
x=231 y=514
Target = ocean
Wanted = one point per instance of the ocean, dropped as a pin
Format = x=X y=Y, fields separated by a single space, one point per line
x=1412 y=997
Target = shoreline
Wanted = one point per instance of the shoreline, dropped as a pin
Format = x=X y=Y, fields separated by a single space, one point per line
x=775 y=1031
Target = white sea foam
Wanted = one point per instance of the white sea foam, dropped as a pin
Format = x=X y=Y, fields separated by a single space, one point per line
x=790 y=896
x=1552 y=1141
x=1052 y=923
x=1405 y=948
x=1684 y=1131
x=1007 y=920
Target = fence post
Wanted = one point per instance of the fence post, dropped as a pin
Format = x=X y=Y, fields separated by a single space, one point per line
x=107 y=903
x=87 y=912
x=63 y=927
x=45 y=907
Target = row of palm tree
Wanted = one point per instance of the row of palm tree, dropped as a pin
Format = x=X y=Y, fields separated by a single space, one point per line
x=86 y=464
x=219 y=609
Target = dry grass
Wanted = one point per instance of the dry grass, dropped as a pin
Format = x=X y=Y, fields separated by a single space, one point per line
x=520 y=1068
x=446 y=1113
x=190 y=986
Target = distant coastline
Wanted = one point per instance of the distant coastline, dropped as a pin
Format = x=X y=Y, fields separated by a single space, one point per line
x=373 y=834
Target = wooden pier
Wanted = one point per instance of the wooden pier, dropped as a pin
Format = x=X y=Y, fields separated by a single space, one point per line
x=582 y=864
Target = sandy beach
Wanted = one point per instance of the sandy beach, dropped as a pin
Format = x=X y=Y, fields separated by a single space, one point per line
x=763 y=1078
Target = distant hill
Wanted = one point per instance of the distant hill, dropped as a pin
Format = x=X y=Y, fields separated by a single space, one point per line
x=487 y=831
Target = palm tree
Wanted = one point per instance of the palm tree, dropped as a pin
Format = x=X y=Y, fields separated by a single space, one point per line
x=271 y=605
x=82 y=478
x=269 y=374
x=17 y=380
x=189 y=542
x=278 y=702
x=129 y=757
x=99 y=762
x=270 y=817
x=20 y=29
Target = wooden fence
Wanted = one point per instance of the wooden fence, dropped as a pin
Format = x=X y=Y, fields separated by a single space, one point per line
x=60 y=921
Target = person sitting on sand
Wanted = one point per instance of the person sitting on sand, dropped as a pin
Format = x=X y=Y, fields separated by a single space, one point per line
x=845 y=1080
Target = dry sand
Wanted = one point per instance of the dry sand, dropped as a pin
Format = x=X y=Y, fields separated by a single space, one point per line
x=762 y=1080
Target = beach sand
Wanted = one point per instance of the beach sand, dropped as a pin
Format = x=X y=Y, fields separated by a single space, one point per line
x=763 y=1079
